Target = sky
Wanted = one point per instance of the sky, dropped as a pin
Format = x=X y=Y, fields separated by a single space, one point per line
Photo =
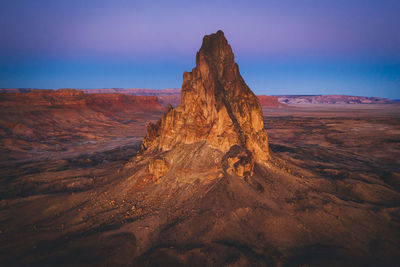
x=347 y=47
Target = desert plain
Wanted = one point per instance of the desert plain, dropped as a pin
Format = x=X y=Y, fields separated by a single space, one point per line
x=59 y=160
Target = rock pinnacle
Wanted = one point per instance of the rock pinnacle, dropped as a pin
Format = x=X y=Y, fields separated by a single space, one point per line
x=216 y=106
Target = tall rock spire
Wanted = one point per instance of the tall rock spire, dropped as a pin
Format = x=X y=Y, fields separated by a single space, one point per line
x=217 y=107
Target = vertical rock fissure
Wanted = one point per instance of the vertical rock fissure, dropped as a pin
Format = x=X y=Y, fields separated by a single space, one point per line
x=236 y=125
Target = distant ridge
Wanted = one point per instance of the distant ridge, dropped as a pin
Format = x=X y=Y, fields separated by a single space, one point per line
x=172 y=96
x=127 y=91
x=331 y=99
x=134 y=91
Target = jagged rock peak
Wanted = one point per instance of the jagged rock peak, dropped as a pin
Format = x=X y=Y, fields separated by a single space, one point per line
x=216 y=106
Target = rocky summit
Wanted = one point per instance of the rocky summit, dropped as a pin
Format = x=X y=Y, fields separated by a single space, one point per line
x=217 y=107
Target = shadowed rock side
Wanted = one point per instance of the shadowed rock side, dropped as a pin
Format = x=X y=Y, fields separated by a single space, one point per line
x=217 y=106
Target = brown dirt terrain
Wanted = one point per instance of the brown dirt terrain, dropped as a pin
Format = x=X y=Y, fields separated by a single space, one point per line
x=353 y=141
x=54 y=130
x=351 y=155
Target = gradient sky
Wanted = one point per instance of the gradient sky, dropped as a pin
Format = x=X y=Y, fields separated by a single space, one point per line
x=282 y=46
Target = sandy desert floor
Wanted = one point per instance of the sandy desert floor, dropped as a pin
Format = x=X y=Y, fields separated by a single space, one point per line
x=43 y=181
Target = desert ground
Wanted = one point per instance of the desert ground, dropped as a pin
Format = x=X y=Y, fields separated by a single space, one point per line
x=51 y=169
x=340 y=142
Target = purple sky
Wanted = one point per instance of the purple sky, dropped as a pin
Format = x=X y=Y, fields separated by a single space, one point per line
x=282 y=47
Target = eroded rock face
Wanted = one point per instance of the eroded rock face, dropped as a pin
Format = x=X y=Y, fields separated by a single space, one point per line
x=216 y=106
x=158 y=167
x=238 y=161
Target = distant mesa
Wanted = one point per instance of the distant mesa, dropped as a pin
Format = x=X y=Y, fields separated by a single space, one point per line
x=173 y=97
x=332 y=99
x=134 y=91
x=270 y=101
x=73 y=98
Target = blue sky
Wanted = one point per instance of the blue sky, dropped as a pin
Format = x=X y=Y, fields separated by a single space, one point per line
x=282 y=47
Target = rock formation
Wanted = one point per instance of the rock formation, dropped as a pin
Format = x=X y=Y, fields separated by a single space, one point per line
x=270 y=101
x=216 y=106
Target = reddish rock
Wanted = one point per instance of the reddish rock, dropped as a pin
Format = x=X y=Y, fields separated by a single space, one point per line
x=78 y=99
x=120 y=102
x=238 y=161
x=269 y=101
x=217 y=106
